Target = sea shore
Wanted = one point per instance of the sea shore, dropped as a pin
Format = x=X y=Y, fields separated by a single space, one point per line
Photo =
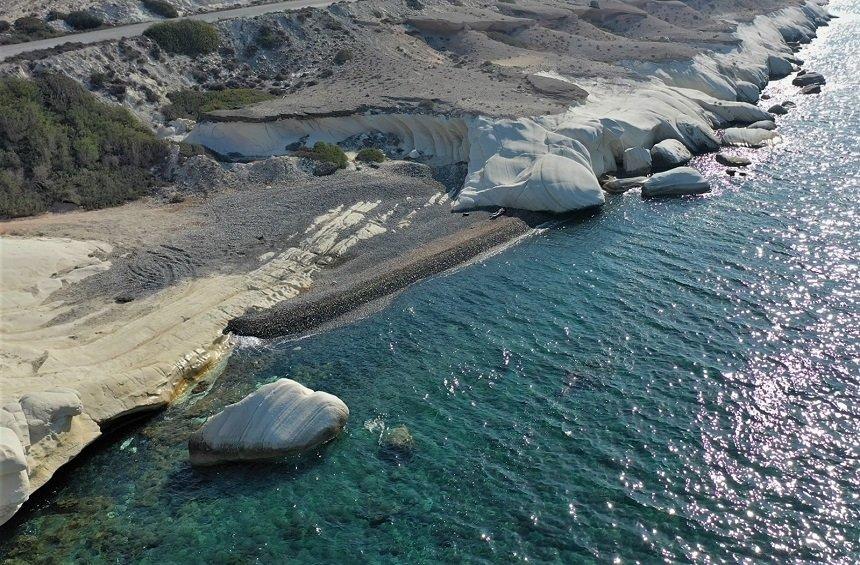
x=113 y=312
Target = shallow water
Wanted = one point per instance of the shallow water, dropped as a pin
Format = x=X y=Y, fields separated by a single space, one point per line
x=667 y=379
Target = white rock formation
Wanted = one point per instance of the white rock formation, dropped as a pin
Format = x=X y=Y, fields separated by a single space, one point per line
x=619 y=186
x=682 y=180
x=440 y=139
x=637 y=161
x=668 y=154
x=779 y=67
x=277 y=419
x=552 y=163
x=37 y=432
x=748 y=137
x=747 y=92
x=764 y=124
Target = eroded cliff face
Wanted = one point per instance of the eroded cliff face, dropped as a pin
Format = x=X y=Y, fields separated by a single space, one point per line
x=552 y=163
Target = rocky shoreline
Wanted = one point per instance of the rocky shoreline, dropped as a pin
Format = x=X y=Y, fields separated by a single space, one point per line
x=97 y=359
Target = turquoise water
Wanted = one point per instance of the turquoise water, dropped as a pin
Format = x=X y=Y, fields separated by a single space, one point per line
x=665 y=379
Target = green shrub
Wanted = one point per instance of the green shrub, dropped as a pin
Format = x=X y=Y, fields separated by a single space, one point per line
x=185 y=37
x=268 y=38
x=82 y=20
x=32 y=25
x=370 y=155
x=161 y=8
x=193 y=104
x=343 y=56
x=98 y=80
x=326 y=152
x=58 y=143
x=56 y=15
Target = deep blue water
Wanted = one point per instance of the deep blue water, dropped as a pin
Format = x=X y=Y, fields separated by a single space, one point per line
x=668 y=379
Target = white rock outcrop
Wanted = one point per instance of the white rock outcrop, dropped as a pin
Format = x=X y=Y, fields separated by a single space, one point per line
x=668 y=154
x=683 y=180
x=637 y=161
x=764 y=124
x=37 y=432
x=279 y=418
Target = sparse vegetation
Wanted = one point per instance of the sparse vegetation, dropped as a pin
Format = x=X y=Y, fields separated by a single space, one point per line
x=193 y=104
x=370 y=155
x=185 y=37
x=161 y=8
x=58 y=143
x=269 y=38
x=325 y=152
x=28 y=28
x=83 y=20
x=342 y=56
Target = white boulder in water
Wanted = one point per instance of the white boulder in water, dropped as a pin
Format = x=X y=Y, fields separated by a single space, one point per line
x=279 y=418
x=669 y=153
x=637 y=161
x=683 y=180
x=748 y=137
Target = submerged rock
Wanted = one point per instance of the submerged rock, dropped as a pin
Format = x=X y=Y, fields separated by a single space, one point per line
x=668 y=154
x=778 y=110
x=732 y=160
x=397 y=444
x=637 y=161
x=748 y=137
x=618 y=186
x=277 y=419
x=811 y=89
x=676 y=182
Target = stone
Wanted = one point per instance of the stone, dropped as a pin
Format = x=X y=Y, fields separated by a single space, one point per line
x=748 y=137
x=668 y=154
x=556 y=86
x=397 y=444
x=637 y=161
x=747 y=92
x=280 y=418
x=778 y=109
x=778 y=67
x=618 y=186
x=764 y=124
x=730 y=160
x=676 y=182
x=811 y=89
x=808 y=78
x=788 y=104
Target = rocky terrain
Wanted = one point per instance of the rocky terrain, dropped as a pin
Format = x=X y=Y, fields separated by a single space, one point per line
x=529 y=105
x=112 y=12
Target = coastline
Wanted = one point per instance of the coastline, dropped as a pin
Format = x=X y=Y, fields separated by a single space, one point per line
x=181 y=326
